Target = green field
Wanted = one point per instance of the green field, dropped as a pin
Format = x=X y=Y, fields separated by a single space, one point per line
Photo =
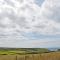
x=19 y=51
x=28 y=54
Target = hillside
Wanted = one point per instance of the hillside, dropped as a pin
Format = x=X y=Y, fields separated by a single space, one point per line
x=22 y=50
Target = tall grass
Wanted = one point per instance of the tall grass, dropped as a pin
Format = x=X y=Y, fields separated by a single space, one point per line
x=43 y=56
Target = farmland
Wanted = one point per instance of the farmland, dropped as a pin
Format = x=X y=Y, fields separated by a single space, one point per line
x=22 y=51
x=28 y=54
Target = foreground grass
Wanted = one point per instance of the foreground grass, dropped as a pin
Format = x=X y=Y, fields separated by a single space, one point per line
x=43 y=56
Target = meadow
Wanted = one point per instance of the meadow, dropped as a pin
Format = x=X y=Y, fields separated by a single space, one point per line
x=28 y=54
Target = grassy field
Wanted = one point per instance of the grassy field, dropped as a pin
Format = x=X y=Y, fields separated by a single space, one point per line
x=28 y=54
x=22 y=51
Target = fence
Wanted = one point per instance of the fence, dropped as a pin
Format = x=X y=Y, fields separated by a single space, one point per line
x=31 y=57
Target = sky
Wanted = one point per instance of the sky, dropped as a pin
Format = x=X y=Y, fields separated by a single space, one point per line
x=30 y=23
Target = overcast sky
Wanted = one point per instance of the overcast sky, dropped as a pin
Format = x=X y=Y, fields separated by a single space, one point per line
x=30 y=23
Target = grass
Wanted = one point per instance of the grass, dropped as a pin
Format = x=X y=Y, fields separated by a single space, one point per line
x=21 y=51
x=43 y=56
x=28 y=54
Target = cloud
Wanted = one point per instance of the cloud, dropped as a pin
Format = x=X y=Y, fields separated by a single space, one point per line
x=52 y=8
x=50 y=16
x=29 y=43
x=21 y=19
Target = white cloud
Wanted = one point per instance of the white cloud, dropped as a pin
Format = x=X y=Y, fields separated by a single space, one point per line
x=19 y=16
x=50 y=15
x=28 y=43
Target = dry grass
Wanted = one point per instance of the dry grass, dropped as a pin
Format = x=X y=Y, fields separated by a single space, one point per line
x=7 y=57
x=44 y=56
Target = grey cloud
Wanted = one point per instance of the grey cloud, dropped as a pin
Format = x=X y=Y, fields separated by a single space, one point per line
x=29 y=21
x=52 y=10
x=40 y=26
x=20 y=20
x=21 y=1
x=9 y=2
x=27 y=18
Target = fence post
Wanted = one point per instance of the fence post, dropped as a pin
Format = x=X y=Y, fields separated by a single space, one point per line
x=16 y=57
